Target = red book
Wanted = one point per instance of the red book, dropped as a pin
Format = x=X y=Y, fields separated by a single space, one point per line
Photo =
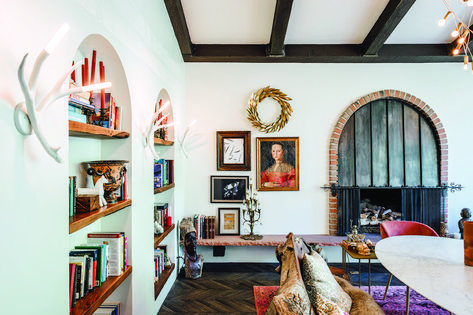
x=72 y=273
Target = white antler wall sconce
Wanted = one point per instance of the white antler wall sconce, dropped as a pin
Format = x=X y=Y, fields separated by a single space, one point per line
x=156 y=125
x=181 y=140
x=26 y=118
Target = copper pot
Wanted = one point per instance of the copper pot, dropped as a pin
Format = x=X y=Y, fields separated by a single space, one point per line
x=112 y=170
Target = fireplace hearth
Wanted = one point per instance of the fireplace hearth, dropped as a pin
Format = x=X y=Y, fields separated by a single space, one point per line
x=385 y=208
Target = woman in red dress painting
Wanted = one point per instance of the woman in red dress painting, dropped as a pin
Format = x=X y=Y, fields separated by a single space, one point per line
x=280 y=174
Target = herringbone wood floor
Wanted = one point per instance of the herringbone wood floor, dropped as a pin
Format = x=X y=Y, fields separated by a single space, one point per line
x=227 y=288
x=223 y=289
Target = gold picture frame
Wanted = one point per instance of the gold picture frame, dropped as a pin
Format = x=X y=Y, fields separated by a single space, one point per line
x=228 y=221
x=277 y=161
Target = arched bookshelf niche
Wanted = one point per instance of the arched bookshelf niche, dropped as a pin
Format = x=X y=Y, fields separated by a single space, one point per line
x=89 y=141
x=164 y=198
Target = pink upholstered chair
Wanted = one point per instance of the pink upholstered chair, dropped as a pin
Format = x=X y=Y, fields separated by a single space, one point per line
x=395 y=228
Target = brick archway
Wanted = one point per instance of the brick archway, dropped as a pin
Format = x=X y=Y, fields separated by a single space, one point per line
x=415 y=102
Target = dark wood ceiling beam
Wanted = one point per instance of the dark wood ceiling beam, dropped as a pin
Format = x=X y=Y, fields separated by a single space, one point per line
x=282 y=14
x=431 y=53
x=388 y=20
x=179 y=24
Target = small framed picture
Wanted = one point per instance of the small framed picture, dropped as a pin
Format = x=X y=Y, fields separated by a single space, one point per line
x=233 y=151
x=229 y=221
x=277 y=161
x=228 y=189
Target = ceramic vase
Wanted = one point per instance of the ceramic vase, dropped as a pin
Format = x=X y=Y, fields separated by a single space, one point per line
x=112 y=170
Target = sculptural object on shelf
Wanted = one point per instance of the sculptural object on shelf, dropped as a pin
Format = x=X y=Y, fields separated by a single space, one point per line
x=113 y=170
x=252 y=213
x=466 y=215
x=193 y=262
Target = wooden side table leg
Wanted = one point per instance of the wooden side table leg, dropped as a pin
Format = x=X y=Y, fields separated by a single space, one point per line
x=344 y=260
x=359 y=273
x=369 y=276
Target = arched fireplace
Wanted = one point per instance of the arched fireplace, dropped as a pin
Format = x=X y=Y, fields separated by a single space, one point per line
x=388 y=161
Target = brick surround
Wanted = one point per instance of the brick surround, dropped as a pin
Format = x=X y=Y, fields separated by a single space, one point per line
x=417 y=103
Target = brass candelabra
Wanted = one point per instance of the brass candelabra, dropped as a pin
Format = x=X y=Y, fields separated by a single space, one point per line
x=252 y=213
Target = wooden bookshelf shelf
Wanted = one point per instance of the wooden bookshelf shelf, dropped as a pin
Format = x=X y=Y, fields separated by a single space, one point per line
x=163 y=142
x=163 y=189
x=78 y=129
x=158 y=285
x=79 y=221
x=89 y=303
x=159 y=238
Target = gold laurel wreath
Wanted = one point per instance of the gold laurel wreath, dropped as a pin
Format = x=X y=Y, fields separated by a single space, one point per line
x=278 y=96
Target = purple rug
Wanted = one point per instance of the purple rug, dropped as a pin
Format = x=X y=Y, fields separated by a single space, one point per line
x=395 y=303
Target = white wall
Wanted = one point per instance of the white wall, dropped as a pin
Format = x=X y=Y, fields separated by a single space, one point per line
x=34 y=221
x=218 y=94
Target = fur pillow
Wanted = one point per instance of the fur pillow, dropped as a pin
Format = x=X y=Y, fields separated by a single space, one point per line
x=291 y=299
x=325 y=294
x=363 y=303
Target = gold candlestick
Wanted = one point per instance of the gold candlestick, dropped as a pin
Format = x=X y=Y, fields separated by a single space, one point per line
x=251 y=214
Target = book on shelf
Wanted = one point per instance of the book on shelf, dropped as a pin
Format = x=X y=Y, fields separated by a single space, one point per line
x=160 y=255
x=115 y=256
x=72 y=274
x=77 y=117
x=72 y=195
x=74 y=108
x=204 y=226
x=108 y=308
x=160 y=210
x=80 y=101
x=80 y=263
x=77 y=275
x=163 y=173
x=101 y=274
x=158 y=175
x=92 y=253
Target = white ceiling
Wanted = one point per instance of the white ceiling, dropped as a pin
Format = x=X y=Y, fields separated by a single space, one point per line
x=315 y=21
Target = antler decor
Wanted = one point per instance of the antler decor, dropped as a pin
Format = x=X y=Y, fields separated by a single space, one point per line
x=181 y=140
x=26 y=118
x=278 y=96
x=156 y=125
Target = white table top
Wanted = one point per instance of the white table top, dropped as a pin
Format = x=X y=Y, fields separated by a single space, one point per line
x=432 y=266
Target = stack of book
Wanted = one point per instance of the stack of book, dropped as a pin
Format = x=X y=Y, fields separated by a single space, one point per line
x=87 y=108
x=105 y=254
x=108 y=309
x=204 y=226
x=161 y=212
x=163 y=173
x=160 y=255
x=80 y=108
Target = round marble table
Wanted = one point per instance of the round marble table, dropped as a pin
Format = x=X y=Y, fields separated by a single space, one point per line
x=432 y=266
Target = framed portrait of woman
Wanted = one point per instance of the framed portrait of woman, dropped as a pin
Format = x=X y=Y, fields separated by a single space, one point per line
x=277 y=161
x=233 y=151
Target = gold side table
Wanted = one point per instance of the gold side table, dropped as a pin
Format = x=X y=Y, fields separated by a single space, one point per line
x=354 y=254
